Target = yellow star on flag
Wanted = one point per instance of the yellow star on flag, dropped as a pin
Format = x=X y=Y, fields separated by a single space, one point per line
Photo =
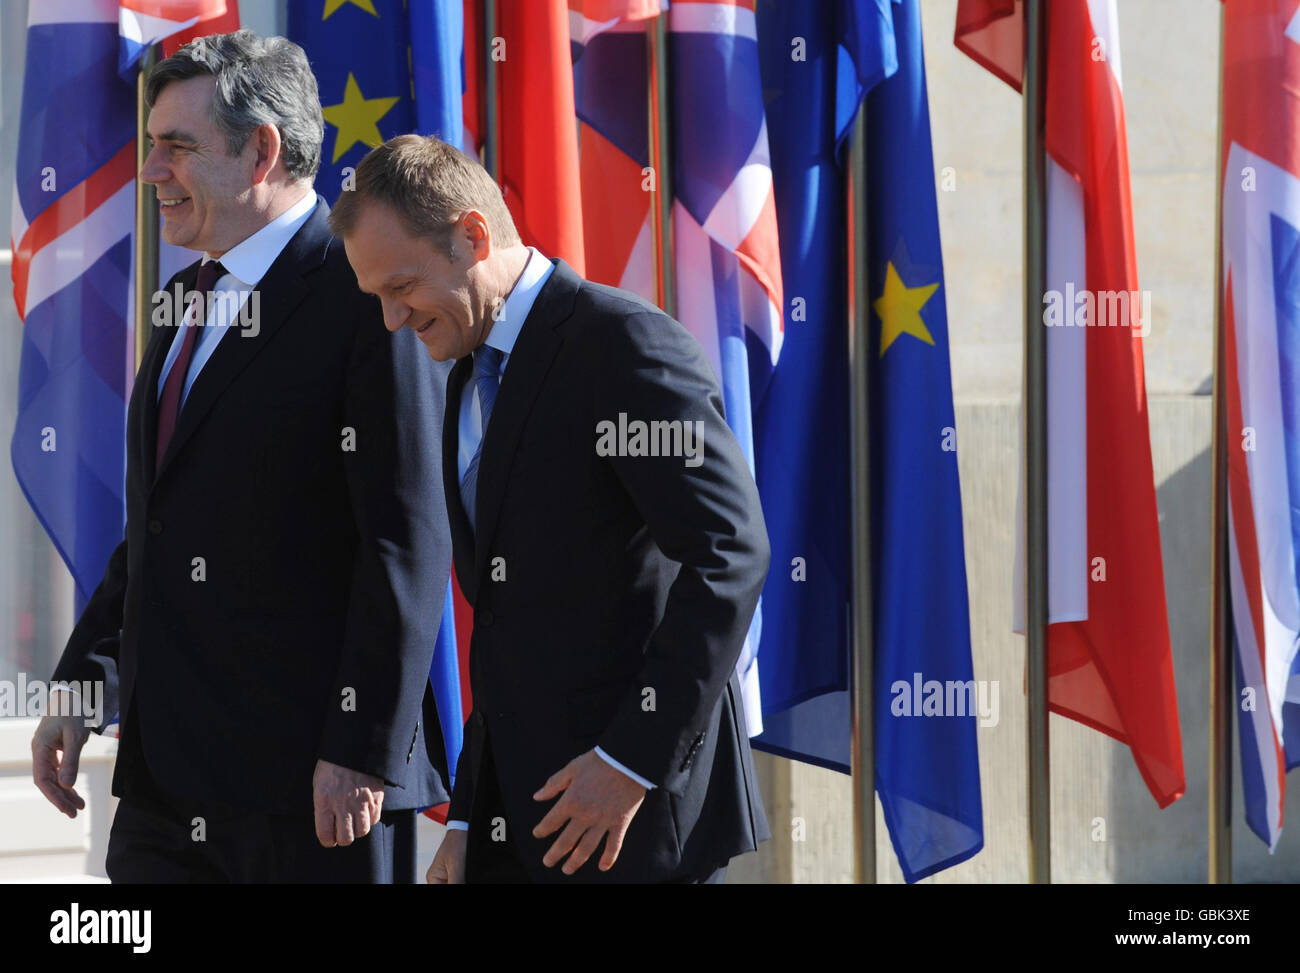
x=357 y=118
x=332 y=5
x=899 y=308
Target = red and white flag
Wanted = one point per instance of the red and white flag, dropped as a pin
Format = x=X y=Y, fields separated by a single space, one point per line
x=1109 y=660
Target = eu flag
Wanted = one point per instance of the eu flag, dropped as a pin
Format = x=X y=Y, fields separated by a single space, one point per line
x=384 y=68
x=927 y=767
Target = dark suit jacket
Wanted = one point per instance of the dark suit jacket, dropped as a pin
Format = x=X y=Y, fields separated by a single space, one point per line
x=611 y=594
x=311 y=636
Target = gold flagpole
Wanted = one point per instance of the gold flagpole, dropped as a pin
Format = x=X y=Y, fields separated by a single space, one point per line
x=491 y=108
x=146 y=216
x=864 y=725
x=1036 y=445
x=1222 y=699
x=660 y=133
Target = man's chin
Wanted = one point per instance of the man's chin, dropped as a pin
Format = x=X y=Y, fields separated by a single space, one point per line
x=436 y=352
x=438 y=356
x=174 y=237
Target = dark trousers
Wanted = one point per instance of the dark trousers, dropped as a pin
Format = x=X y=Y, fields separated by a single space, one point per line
x=489 y=862
x=158 y=837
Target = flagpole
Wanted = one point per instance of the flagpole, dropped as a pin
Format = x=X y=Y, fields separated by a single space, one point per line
x=146 y=214
x=661 y=163
x=490 y=111
x=1222 y=699
x=864 y=752
x=1035 y=418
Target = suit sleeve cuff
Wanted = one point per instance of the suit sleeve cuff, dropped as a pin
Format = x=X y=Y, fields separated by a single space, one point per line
x=623 y=770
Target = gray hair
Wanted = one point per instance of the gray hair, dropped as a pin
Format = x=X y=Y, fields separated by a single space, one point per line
x=260 y=81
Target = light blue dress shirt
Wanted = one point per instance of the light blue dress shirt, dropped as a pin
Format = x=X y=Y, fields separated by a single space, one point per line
x=503 y=335
x=246 y=264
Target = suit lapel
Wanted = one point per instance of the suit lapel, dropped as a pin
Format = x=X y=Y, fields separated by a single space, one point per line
x=279 y=293
x=535 y=349
x=462 y=536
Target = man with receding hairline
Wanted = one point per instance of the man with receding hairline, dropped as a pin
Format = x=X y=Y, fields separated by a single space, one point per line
x=612 y=589
x=266 y=627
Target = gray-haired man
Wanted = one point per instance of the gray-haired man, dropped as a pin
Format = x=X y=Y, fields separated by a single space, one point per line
x=266 y=626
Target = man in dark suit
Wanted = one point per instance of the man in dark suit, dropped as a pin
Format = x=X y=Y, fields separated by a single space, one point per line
x=265 y=628
x=606 y=530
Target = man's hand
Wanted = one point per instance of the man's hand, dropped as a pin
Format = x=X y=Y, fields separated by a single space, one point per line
x=56 y=750
x=448 y=866
x=598 y=801
x=347 y=803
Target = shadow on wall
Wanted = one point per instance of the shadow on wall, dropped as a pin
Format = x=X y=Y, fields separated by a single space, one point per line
x=1136 y=826
x=1180 y=833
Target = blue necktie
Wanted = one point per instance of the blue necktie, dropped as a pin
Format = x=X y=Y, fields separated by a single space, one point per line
x=487 y=369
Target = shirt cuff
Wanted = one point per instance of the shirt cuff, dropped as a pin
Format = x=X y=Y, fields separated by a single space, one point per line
x=619 y=767
x=457 y=825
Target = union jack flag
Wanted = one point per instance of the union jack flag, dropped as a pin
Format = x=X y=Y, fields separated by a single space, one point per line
x=1261 y=322
x=71 y=235
x=727 y=262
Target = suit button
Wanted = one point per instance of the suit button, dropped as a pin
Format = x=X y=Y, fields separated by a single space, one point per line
x=484 y=617
x=155 y=527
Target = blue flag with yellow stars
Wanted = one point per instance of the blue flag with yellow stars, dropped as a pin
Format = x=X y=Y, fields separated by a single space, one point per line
x=927 y=702
x=819 y=61
x=384 y=68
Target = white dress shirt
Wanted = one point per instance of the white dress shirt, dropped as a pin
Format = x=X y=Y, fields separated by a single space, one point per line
x=246 y=264
x=503 y=335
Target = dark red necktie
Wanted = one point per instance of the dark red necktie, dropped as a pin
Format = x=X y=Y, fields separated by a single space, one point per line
x=169 y=404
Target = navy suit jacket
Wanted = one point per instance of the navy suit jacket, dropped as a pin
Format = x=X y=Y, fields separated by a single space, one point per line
x=305 y=469
x=611 y=593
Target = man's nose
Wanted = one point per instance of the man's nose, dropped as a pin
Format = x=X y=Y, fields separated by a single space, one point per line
x=396 y=314
x=154 y=171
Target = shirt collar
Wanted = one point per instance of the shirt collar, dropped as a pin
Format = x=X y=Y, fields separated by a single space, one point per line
x=506 y=328
x=251 y=258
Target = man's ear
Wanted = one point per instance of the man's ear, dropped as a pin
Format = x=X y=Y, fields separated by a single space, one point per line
x=475 y=231
x=265 y=141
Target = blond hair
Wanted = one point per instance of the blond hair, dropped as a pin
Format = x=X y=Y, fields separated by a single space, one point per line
x=428 y=184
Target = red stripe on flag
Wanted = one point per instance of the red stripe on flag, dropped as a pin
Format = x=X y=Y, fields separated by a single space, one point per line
x=992 y=33
x=1243 y=517
x=66 y=212
x=539 y=133
x=761 y=253
x=1113 y=672
x=176 y=10
x=602 y=11
x=471 y=102
x=464 y=635
x=1260 y=91
x=214 y=22
x=615 y=206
